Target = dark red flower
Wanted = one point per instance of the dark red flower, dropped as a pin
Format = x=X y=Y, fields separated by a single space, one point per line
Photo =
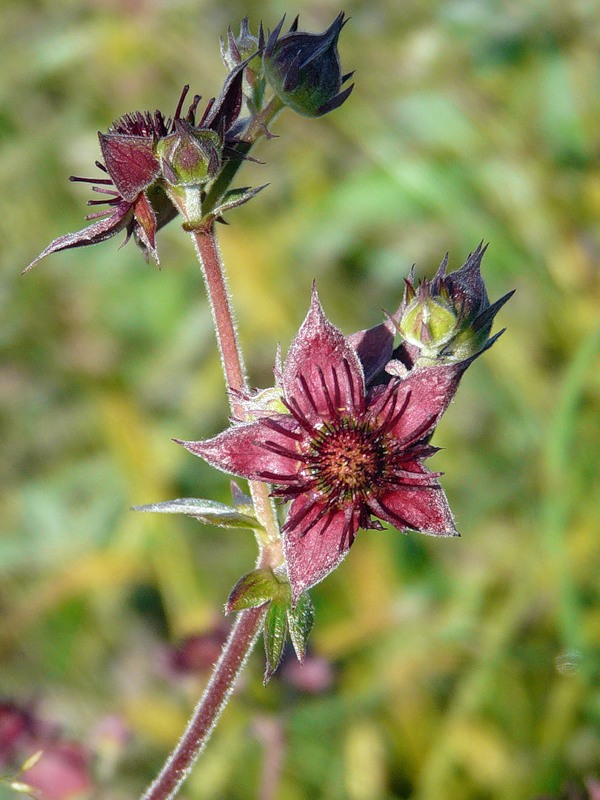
x=145 y=153
x=17 y=726
x=135 y=202
x=343 y=454
x=63 y=771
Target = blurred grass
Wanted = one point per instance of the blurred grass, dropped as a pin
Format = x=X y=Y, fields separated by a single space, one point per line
x=464 y=669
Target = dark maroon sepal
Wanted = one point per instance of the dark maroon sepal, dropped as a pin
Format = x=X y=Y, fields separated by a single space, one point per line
x=130 y=162
x=93 y=234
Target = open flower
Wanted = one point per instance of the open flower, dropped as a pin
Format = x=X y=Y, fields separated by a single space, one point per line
x=345 y=455
x=145 y=155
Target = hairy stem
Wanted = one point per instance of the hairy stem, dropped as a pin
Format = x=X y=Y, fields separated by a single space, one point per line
x=233 y=366
x=235 y=653
x=209 y=256
x=249 y=622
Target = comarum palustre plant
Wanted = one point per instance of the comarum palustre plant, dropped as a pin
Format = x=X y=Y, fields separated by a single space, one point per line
x=339 y=443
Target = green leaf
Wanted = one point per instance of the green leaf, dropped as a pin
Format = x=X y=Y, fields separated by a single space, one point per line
x=255 y=589
x=276 y=625
x=236 y=197
x=209 y=512
x=301 y=620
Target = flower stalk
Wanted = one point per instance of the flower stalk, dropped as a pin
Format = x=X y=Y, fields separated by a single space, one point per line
x=234 y=371
x=206 y=714
x=257 y=128
x=209 y=257
x=249 y=622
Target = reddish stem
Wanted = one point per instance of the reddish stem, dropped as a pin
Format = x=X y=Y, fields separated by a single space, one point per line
x=249 y=623
x=210 y=260
x=209 y=256
x=207 y=712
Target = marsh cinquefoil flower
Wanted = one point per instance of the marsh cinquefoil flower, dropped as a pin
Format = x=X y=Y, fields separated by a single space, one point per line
x=146 y=156
x=345 y=455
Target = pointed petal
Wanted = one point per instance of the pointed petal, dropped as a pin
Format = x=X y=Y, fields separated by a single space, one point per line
x=130 y=162
x=430 y=391
x=273 y=37
x=254 y=450
x=467 y=281
x=374 y=347
x=322 y=375
x=314 y=548
x=418 y=508
x=93 y=234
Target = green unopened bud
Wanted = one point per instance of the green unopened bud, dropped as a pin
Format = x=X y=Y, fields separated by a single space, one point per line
x=263 y=403
x=427 y=322
x=190 y=156
x=449 y=318
x=235 y=49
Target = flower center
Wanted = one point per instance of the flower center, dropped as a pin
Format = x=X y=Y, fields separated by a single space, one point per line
x=347 y=459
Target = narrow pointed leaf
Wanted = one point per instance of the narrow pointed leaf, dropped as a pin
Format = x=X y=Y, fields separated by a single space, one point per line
x=237 y=197
x=300 y=621
x=209 y=512
x=276 y=626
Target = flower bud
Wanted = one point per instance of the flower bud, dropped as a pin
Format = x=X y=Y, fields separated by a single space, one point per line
x=449 y=318
x=303 y=69
x=236 y=49
x=247 y=49
x=189 y=156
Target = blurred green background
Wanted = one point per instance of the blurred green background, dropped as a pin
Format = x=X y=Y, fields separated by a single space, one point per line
x=462 y=669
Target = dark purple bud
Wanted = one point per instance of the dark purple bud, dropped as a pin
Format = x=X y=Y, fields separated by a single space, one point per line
x=223 y=113
x=303 y=69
